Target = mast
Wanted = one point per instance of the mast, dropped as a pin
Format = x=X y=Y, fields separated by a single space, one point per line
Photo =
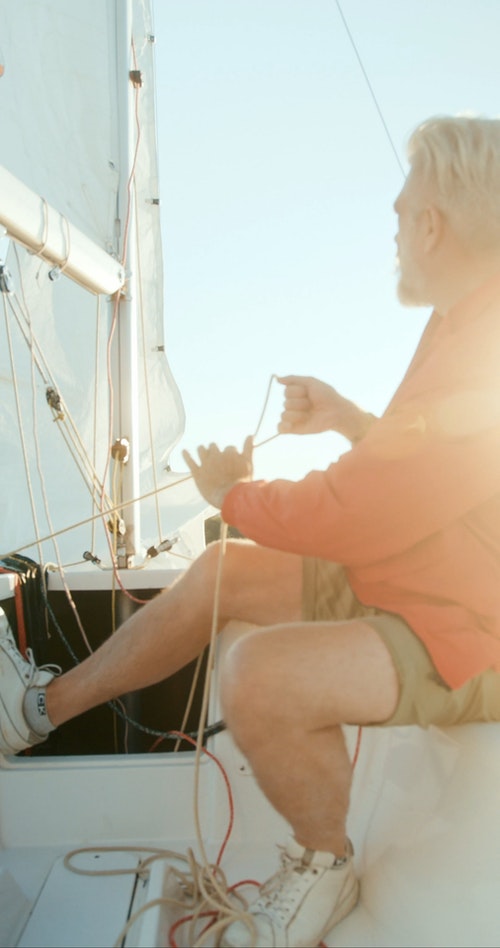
x=68 y=195
x=126 y=427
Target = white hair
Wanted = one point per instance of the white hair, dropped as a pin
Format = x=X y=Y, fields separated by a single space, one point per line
x=459 y=158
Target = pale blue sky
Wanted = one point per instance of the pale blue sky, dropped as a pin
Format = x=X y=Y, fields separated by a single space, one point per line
x=277 y=181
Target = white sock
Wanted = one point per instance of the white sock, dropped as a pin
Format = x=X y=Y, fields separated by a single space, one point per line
x=35 y=711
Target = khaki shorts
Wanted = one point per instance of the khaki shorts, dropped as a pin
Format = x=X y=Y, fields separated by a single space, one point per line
x=424 y=697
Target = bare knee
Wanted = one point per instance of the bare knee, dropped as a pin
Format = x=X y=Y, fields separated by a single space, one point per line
x=204 y=568
x=236 y=555
x=246 y=696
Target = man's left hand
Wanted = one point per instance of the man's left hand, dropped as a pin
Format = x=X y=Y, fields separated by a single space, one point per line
x=218 y=471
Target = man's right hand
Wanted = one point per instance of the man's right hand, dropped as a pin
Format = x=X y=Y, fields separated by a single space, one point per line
x=312 y=406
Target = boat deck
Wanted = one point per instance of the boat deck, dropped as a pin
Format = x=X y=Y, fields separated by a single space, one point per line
x=424 y=825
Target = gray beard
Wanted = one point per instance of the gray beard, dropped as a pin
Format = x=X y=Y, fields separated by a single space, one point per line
x=409 y=294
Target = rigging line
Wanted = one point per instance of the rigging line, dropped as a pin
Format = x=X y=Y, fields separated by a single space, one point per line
x=69 y=430
x=191 y=696
x=25 y=313
x=31 y=341
x=203 y=716
x=111 y=396
x=131 y=188
x=37 y=448
x=83 y=465
x=152 y=444
x=134 y=162
x=95 y=399
x=21 y=430
x=115 y=704
x=42 y=485
x=45 y=231
x=113 y=541
x=263 y=412
x=61 y=268
x=43 y=491
x=102 y=514
x=116 y=305
x=113 y=547
x=116 y=509
x=127 y=503
x=211 y=730
x=370 y=88
x=19 y=317
x=79 y=456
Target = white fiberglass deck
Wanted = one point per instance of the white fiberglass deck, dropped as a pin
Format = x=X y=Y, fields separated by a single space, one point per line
x=424 y=823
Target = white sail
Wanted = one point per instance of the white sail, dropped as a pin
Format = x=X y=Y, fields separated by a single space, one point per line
x=77 y=111
x=78 y=130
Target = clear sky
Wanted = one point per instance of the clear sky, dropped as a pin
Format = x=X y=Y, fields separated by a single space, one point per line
x=277 y=179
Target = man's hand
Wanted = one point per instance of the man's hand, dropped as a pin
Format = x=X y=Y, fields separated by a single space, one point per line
x=312 y=406
x=218 y=470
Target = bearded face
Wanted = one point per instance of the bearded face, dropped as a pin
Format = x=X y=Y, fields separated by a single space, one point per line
x=412 y=283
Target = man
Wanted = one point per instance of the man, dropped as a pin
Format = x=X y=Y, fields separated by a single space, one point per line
x=407 y=630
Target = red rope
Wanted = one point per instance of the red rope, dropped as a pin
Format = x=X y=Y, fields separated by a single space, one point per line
x=357 y=748
x=212 y=914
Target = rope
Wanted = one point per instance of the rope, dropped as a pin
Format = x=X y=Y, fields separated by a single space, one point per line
x=263 y=412
x=370 y=88
x=61 y=267
x=45 y=231
x=94 y=414
x=36 y=363
x=116 y=308
x=112 y=509
x=209 y=895
x=146 y=374
x=67 y=425
x=206 y=882
x=20 y=425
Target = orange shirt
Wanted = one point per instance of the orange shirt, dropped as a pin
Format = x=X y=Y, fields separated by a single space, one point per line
x=413 y=510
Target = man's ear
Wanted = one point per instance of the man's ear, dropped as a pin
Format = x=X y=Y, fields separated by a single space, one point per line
x=433 y=224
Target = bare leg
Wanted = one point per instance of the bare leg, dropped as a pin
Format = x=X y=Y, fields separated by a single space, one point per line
x=258 y=585
x=285 y=693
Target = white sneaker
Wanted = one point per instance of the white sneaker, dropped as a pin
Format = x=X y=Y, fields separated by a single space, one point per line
x=300 y=903
x=17 y=674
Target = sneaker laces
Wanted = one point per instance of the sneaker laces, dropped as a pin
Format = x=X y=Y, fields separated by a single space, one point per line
x=278 y=896
x=50 y=667
x=27 y=666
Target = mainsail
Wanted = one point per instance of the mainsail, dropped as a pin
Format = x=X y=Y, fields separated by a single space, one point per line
x=89 y=410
